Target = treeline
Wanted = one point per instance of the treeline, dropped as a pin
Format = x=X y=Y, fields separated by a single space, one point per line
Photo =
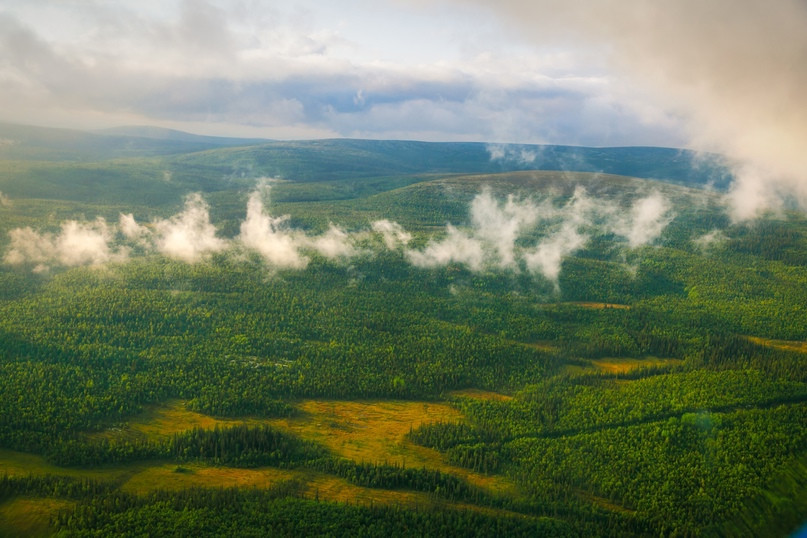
x=51 y=486
x=237 y=446
x=279 y=512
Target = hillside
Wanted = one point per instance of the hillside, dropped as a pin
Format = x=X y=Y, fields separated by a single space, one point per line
x=395 y=335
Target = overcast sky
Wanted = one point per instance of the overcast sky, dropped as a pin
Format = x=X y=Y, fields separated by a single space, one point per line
x=718 y=75
x=292 y=69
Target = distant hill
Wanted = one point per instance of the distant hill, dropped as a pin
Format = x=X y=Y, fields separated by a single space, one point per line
x=23 y=142
x=213 y=159
x=336 y=159
x=172 y=135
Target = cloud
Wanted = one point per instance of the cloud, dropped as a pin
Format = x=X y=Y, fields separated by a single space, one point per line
x=510 y=153
x=456 y=247
x=490 y=241
x=333 y=244
x=733 y=71
x=270 y=236
x=511 y=234
x=648 y=218
x=499 y=225
x=188 y=236
x=547 y=257
x=392 y=233
x=708 y=240
x=577 y=214
x=78 y=243
x=257 y=69
x=500 y=232
x=134 y=231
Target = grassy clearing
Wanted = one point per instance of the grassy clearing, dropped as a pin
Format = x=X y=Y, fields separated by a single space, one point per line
x=785 y=345
x=363 y=431
x=599 y=306
x=370 y=431
x=172 y=477
x=478 y=394
x=546 y=347
x=22 y=464
x=622 y=365
x=375 y=432
x=29 y=516
x=166 y=419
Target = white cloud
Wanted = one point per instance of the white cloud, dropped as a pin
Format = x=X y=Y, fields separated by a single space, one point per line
x=648 y=218
x=132 y=230
x=510 y=234
x=708 y=240
x=456 y=247
x=732 y=71
x=392 y=233
x=492 y=240
x=270 y=236
x=188 y=236
x=333 y=244
x=547 y=257
x=499 y=225
x=78 y=243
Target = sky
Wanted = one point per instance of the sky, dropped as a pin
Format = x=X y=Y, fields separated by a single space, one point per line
x=717 y=75
x=311 y=69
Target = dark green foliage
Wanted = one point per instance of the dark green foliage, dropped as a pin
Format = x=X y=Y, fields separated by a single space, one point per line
x=713 y=442
x=236 y=446
x=274 y=512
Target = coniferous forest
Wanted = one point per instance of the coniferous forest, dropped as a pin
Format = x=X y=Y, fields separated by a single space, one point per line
x=357 y=338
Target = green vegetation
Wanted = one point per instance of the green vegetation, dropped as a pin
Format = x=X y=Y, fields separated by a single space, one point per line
x=655 y=390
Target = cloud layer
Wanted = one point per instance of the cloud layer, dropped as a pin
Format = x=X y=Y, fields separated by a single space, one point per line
x=514 y=234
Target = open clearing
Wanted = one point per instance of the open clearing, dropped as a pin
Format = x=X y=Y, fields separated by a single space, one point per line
x=599 y=306
x=166 y=419
x=477 y=394
x=785 y=345
x=363 y=431
x=375 y=432
x=29 y=516
x=623 y=364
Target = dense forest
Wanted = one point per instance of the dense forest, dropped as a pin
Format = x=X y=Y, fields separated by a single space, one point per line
x=594 y=379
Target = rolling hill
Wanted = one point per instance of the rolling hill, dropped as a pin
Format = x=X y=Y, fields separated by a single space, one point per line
x=392 y=335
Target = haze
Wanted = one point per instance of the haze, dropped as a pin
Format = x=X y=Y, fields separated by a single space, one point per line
x=719 y=76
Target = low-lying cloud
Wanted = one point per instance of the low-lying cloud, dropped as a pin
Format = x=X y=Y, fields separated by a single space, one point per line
x=78 y=243
x=512 y=234
x=271 y=236
x=501 y=234
x=189 y=236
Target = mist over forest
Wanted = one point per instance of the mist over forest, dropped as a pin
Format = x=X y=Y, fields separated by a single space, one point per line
x=403 y=268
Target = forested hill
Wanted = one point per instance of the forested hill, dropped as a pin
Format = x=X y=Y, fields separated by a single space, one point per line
x=324 y=160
